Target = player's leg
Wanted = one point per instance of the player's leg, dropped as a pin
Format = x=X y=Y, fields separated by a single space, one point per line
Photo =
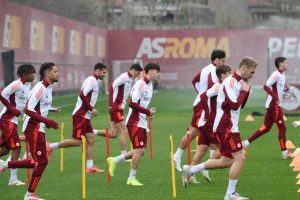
x=183 y=145
x=37 y=143
x=265 y=128
x=234 y=174
x=279 y=120
x=138 y=138
x=90 y=143
x=123 y=135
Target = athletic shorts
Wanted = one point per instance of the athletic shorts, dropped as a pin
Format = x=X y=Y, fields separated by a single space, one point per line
x=81 y=126
x=207 y=136
x=116 y=115
x=37 y=146
x=229 y=143
x=10 y=137
x=196 y=117
x=138 y=137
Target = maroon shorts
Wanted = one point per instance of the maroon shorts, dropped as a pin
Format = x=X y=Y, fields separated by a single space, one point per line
x=138 y=137
x=37 y=146
x=116 y=115
x=10 y=137
x=229 y=143
x=207 y=136
x=196 y=117
x=81 y=126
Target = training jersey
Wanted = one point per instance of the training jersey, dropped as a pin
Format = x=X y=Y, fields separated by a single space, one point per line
x=87 y=98
x=15 y=95
x=140 y=97
x=212 y=95
x=275 y=88
x=204 y=80
x=230 y=100
x=119 y=91
x=39 y=102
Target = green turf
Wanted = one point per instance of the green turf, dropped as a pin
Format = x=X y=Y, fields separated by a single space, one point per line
x=265 y=176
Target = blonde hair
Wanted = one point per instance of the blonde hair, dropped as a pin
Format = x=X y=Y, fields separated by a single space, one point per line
x=249 y=62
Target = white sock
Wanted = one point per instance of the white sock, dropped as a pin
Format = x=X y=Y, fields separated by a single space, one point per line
x=197 y=168
x=54 y=145
x=231 y=186
x=211 y=152
x=4 y=164
x=95 y=132
x=178 y=153
x=119 y=158
x=13 y=174
x=284 y=153
x=123 y=152
x=89 y=163
x=132 y=174
x=28 y=193
x=246 y=143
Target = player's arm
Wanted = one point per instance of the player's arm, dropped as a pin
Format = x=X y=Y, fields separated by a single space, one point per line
x=5 y=94
x=33 y=100
x=134 y=99
x=121 y=80
x=230 y=96
x=55 y=109
x=196 y=81
x=84 y=92
x=270 y=82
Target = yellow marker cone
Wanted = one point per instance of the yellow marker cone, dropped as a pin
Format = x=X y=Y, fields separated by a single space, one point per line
x=296 y=168
x=289 y=145
x=296 y=152
x=298 y=176
x=298 y=182
x=296 y=161
x=298 y=190
x=249 y=118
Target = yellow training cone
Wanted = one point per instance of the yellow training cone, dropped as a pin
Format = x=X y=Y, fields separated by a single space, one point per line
x=296 y=161
x=289 y=145
x=249 y=118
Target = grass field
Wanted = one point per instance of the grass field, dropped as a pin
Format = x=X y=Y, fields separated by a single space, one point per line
x=265 y=176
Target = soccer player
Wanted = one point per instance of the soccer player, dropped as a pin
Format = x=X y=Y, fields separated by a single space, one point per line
x=118 y=93
x=201 y=82
x=14 y=98
x=232 y=96
x=136 y=122
x=275 y=88
x=82 y=115
x=205 y=125
x=35 y=121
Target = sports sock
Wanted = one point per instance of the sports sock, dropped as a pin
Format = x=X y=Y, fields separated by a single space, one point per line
x=178 y=153
x=119 y=158
x=132 y=174
x=89 y=163
x=13 y=174
x=54 y=145
x=197 y=168
x=231 y=186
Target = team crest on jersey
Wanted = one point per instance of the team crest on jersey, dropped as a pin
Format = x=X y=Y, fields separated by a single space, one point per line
x=239 y=145
x=39 y=153
x=141 y=143
x=17 y=144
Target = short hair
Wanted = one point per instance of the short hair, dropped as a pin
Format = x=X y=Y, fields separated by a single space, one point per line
x=99 y=66
x=136 y=67
x=25 y=69
x=279 y=60
x=217 y=53
x=44 y=67
x=222 y=69
x=150 y=66
x=249 y=62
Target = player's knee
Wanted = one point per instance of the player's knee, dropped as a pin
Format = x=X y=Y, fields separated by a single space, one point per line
x=241 y=158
